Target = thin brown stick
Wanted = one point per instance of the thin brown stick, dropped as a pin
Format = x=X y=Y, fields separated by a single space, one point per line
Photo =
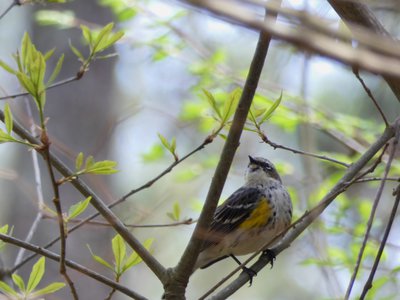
x=322 y=157
x=370 y=222
x=189 y=221
x=71 y=264
x=370 y=279
x=45 y=151
x=57 y=84
x=8 y=9
x=370 y=95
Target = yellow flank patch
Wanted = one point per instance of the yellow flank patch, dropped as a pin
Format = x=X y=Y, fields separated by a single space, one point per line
x=259 y=217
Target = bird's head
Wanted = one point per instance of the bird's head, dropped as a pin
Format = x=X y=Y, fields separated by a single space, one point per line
x=260 y=171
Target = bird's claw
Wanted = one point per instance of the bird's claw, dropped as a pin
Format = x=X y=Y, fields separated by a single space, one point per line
x=270 y=255
x=251 y=273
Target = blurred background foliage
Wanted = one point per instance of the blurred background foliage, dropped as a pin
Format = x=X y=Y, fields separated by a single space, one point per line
x=155 y=87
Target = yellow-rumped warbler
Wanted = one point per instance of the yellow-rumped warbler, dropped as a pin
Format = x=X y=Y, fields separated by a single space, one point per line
x=250 y=218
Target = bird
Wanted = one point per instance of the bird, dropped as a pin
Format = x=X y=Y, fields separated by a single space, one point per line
x=250 y=218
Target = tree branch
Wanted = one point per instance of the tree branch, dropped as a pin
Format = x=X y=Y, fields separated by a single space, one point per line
x=309 y=39
x=355 y=12
x=368 y=284
x=310 y=216
x=51 y=255
x=181 y=273
x=102 y=208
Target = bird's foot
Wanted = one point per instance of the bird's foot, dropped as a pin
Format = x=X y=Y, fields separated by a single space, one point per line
x=251 y=273
x=270 y=255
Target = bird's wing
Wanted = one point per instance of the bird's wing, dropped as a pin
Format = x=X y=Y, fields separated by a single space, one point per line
x=232 y=213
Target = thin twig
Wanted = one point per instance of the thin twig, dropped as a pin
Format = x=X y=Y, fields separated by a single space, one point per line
x=56 y=200
x=372 y=168
x=12 y=4
x=57 y=84
x=370 y=221
x=370 y=179
x=189 y=221
x=323 y=157
x=71 y=264
x=370 y=279
x=370 y=95
x=38 y=185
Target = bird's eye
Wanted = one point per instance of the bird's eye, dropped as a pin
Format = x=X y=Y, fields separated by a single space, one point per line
x=267 y=167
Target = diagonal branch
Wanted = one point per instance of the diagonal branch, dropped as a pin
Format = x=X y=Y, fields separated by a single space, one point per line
x=309 y=39
x=71 y=264
x=368 y=284
x=148 y=184
x=310 y=216
x=101 y=207
x=355 y=12
x=181 y=273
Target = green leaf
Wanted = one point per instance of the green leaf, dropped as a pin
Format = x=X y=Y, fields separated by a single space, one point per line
x=26 y=83
x=102 y=167
x=4 y=229
x=101 y=40
x=119 y=251
x=26 y=49
x=49 y=54
x=8 y=119
x=164 y=141
x=100 y=260
x=5 y=288
x=177 y=211
x=134 y=258
x=36 y=274
x=7 y=67
x=231 y=104
x=79 y=161
x=87 y=35
x=76 y=51
x=213 y=103
x=109 y=40
x=56 y=70
x=18 y=281
x=89 y=162
x=51 y=288
x=78 y=208
x=270 y=111
x=5 y=137
x=173 y=145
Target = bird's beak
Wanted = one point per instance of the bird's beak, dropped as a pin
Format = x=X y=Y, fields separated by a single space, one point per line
x=252 y=160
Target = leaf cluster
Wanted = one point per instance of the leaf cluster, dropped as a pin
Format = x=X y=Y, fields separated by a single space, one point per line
x=27 y=291
x=122 y=261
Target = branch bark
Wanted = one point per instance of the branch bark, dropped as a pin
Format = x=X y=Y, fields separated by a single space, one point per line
x=179 y=276
x=355 y=12
x=77 y=267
